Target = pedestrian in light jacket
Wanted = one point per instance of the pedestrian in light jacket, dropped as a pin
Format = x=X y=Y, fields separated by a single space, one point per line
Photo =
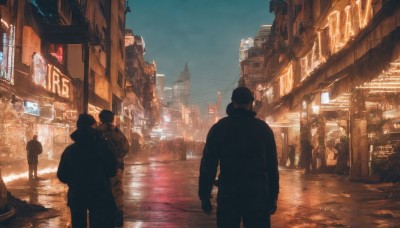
x=86 y=166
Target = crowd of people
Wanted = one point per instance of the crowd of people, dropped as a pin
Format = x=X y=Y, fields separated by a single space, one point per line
x=333 y=159
x=93 y=166
x=179 y=148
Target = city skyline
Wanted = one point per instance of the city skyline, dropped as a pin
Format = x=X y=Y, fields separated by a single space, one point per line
x=205 y=34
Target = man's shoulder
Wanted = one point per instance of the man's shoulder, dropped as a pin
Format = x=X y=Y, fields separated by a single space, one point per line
x=105 y=127
x=118 y=131
x=118 y=134
x=221 y=123
x=110 y=129
x=71 y=147
x=223 y=120
x=265 y=126
x=261 y=122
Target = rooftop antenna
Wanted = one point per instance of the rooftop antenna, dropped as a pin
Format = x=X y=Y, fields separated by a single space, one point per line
x=127 y=8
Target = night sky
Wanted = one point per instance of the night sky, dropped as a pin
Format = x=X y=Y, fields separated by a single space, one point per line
x=205 y=33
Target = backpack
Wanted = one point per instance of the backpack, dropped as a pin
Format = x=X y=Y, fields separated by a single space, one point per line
x=117 y=142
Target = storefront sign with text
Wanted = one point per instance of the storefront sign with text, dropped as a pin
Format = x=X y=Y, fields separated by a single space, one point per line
x=342 y=26
x=50 y=77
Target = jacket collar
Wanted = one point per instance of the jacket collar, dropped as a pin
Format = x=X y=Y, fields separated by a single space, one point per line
x=106 y=127
x=241 y=113
x=86 y=135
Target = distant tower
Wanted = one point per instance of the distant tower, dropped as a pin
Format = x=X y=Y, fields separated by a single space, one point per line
x=160 y=84
x=263 y=34
x=245 y=45
x=182 y=87
x=168 y=96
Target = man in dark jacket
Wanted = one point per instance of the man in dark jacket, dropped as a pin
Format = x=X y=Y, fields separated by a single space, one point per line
x=306 y=157
x=86 y=166
x=292 y=154
x=33 y=148
x=248 y=183
x=119 y=145
x=343 y=156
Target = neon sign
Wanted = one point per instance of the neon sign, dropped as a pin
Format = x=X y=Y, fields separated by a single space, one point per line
x=58 y=83
x=312 y=59
x=39 y=71
x=269 y=93
x=50 y=77
x=286 y=81
x=7 y=55
x=356 y=16
x=342 y=27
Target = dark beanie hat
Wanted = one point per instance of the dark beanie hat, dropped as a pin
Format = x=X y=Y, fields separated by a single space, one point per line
x=242 y=95
x=85 y=120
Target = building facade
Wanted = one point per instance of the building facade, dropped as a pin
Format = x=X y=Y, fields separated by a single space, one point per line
x=182 y=87
x=140 y=85
x=331 y=71
x=42 y=68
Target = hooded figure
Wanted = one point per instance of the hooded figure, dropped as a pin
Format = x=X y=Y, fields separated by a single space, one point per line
x=245 y=149
x=86 y=167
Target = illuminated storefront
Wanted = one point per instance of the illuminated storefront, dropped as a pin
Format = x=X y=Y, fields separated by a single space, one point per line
x=48 y=110
x=7 y=51
x=344 y=80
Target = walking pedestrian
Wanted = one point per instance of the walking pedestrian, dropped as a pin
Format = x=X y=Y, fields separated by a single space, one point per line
x=342 y=148
x=135 y=142
x=33 y=148
x=86 y=166
x=248 y=182
x=306 y=156
x=120 y=147
x=292 y=154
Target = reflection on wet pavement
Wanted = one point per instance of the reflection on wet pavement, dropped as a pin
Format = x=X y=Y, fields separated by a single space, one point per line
x=163 y=193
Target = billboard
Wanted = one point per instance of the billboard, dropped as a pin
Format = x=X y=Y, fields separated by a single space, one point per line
x=50 y=77
x=31 y=108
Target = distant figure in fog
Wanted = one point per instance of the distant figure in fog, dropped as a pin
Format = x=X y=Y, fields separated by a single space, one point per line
x=86 y=166
x=248 y=182
x=182 y=148
x=135 y=142
x=33 y=148
x=306 y=157
x=119 y=145
x=342 y=148
x=292 y=154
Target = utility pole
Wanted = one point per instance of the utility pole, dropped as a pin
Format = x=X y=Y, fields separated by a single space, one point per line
x=86 y=78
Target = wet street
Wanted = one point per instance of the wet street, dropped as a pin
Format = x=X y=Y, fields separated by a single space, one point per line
x=161 y=192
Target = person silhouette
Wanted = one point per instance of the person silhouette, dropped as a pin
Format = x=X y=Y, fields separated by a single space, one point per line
x=86 y=166
x=34 y=149
x=248 y=183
